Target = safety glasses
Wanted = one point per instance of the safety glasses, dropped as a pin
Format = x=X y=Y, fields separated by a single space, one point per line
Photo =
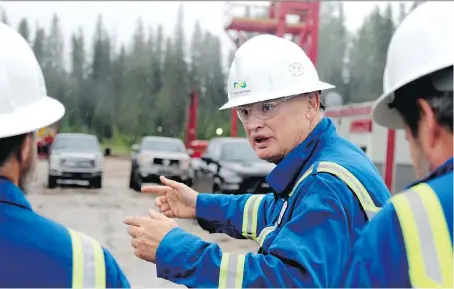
x=262 y=110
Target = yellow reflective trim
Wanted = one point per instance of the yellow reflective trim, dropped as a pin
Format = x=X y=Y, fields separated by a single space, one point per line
x=265 y=232
x=245 y=215
x=250 y=216
x=347 y=177
x=100 y=266
x=412 y=236
x=255 y=218
x=409 y=231
x=302 y=178
x=223 y=270
x=240 y=271
x=78 y=260
x=441 y=236
x=231 y=271
x=364 y=203
x=95 y=257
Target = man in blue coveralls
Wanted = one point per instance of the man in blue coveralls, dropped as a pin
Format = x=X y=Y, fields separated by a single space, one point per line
x=409 y=243
x=324 y=188
x=35 y=251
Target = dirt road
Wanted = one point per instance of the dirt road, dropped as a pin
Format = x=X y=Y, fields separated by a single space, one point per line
x=99 y=213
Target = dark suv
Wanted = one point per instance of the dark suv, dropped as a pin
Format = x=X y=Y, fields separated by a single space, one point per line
x=232 y=167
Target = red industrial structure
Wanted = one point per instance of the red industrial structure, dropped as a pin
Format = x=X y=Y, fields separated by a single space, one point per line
x=270 y=20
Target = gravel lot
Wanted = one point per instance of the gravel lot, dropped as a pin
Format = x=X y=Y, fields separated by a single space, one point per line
x=99 y=213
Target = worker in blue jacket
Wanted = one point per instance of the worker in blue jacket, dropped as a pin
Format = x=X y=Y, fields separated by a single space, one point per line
x=409 y=243
x=35 y=251
x=325 y=189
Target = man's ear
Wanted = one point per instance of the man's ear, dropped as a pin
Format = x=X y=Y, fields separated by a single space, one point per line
x=313 y=101
x=24 y=151
x=428 y=128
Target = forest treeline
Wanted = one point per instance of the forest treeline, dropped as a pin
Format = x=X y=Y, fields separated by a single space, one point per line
x=122 y=92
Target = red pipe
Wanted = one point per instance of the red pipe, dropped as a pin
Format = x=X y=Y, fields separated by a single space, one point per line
x=389 y=161
x=314 y=18
x=234 y=123
x=191 y=134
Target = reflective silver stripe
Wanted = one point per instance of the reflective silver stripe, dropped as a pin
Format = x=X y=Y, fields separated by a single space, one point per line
x=231 y=271
x=281 y=214
x=265 y=232
x=370 y=214
x=88 y=261
x=425 y=235
x=251 y=226
x=352 y=183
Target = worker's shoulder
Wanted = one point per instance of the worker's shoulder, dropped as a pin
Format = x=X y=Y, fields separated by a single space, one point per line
x=314 y=181
x=442 y=185
x=44 y=226
x=339 y=168
x=337 y=176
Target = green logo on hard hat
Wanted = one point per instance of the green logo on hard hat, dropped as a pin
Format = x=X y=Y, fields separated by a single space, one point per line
x=239 y=84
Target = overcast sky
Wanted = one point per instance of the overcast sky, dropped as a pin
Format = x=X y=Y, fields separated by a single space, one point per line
x=120 y=17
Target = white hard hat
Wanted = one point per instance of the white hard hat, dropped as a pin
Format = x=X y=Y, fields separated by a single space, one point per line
x=24 y=104
x=422 y=44
x=269 y=67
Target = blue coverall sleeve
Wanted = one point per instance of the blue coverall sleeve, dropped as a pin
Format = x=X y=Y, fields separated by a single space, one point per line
x=240 y=217
x=378 y=258
x=309 y=251
x=115 y=278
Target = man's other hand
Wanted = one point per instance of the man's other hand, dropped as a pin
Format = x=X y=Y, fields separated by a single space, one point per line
x=147 y=233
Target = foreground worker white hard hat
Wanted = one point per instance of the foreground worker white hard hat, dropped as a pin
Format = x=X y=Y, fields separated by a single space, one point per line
x=419 y=47
x=24 y=104
x=269 y=67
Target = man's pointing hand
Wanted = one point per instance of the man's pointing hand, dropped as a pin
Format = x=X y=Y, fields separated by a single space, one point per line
x=175 y=200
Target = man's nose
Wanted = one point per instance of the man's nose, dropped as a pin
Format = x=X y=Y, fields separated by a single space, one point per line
x=254 y=123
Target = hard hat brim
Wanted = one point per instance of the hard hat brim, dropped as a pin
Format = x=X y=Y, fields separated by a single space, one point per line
x=385 y=116
x=235 y=102
x=388 y=117
x=27 y=119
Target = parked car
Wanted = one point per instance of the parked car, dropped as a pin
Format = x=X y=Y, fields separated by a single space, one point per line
x=157 y=156
x=232 y=167
x=75 y=156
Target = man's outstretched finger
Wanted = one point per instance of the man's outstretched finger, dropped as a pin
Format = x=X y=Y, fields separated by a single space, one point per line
x=173 y=184
x=134 y=221
x=158 y=190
